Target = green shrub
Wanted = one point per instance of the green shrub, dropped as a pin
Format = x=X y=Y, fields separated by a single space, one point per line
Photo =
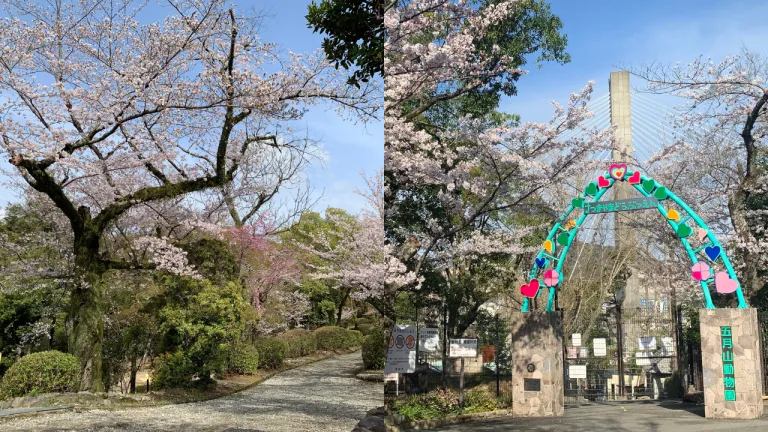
x=271 y=352
x=300 y=342
x=243 y=359
x=364 y=321
x=333 y=338
x=435 y=404
x=198 y=321
x=479 y=399
x=365 y=328
x=375 y=350
x=43 y=372
x=172 y=370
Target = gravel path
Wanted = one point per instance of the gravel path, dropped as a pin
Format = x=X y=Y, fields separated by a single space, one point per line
x=322 y=396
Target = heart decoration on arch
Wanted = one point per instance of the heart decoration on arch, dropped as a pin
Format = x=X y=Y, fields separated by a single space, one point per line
x=700 y=271
x=541 y=262
x=649 y=185
x=617 y=171
x=531 y=289
x=683 y=230
x=591 y=189
x=549 y=246
x=724 y=284
x=564 y=239
x=603 y=182
x=712 y=252
x=634 y=178
x=551 y=278
x=672 y=214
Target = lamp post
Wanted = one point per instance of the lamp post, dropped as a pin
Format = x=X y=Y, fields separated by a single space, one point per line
x=616 y=304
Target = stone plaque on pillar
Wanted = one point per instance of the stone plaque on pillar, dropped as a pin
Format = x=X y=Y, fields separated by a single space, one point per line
x=733 y=372
x=537 y=361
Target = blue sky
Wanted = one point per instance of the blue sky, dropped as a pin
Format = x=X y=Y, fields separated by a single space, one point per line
x=603 y=35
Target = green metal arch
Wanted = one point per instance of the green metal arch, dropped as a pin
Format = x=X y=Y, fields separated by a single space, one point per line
x=559 y=258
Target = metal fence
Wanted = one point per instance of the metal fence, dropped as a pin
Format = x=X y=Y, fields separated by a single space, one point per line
x=648 y=345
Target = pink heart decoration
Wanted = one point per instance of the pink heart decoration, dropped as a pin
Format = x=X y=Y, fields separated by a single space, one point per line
x=531 y=289
x=724 y=284
x=700 y=271
x=617 y=171
x=702 y=233
x=603 y=182
x=551 y=278
x=634 y=178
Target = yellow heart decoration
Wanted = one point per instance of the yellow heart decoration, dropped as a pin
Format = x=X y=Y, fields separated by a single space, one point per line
x=548 y=246
x=570 y=224
x=672 y=214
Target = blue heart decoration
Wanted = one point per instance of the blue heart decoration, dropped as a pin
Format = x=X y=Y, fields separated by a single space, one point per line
x=712 y=252
x=541 y=262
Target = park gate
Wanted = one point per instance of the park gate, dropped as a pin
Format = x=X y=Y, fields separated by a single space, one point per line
x=710 y=266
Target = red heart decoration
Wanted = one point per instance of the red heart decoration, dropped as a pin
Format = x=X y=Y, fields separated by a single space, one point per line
x=603 y=182
x=634 y=178
x=531 y=289
x=617 y=171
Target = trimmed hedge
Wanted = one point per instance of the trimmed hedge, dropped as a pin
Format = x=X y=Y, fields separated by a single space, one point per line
x=300 y=342
x=271 y=352
x=243 y=359
x=375 y=350
x=333 y=338
x=42 y=372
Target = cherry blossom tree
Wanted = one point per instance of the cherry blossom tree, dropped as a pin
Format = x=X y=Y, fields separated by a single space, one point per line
x=357 y=255
x=724 y=122
x=437 y=51
x=111 y=117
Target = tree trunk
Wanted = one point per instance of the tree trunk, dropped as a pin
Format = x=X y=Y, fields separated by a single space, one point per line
x=341 y=306
x=134 y=369
x=86 y=314
x=737 y=207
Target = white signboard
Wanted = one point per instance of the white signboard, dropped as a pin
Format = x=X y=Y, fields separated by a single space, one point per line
x=647 y=343
x=577 y=371
x=642 y=359
x=598 y=345
x=462 y=348
x=667 y=345
x=429 y=340
x=401 y=355
x=583 y=352
x=390 y=377
x=576 y=339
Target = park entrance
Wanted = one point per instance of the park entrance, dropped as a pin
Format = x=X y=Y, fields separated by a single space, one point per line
x=730 y=338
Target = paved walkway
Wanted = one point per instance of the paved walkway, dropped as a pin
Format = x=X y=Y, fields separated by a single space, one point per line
x=637 y=416
x=323 y=396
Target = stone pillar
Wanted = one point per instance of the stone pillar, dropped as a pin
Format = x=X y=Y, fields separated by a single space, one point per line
x=537 y=340
x=747 y=366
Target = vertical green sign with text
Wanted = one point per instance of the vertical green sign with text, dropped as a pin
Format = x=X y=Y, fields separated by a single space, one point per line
x=729 y=377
